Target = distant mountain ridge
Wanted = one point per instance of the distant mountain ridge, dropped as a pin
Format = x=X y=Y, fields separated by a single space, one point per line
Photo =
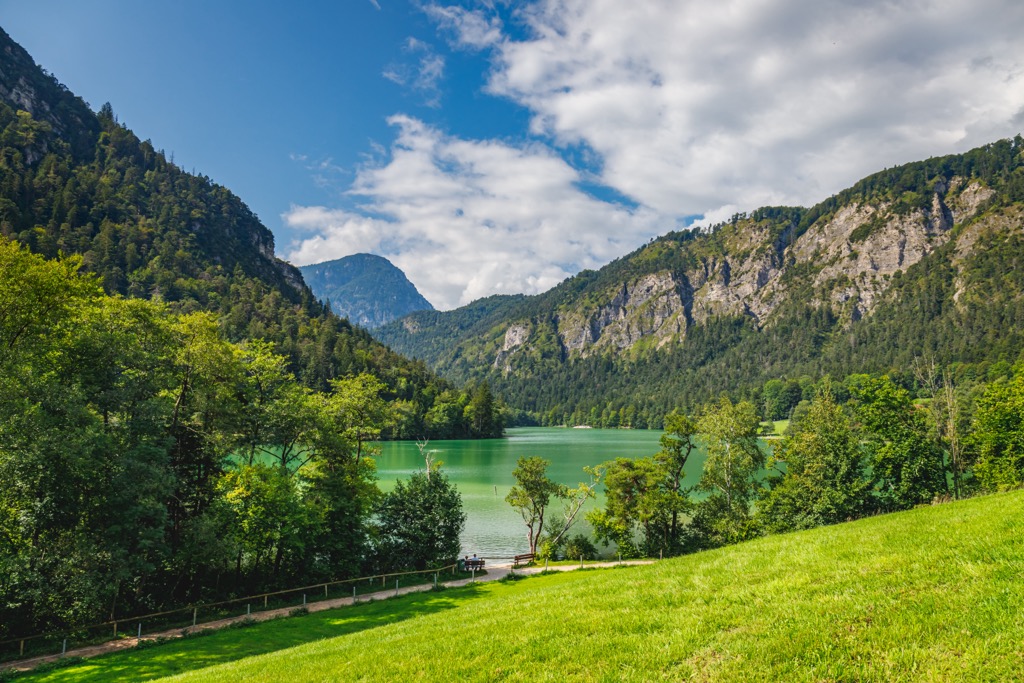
x=367 y=289
x=926 y=259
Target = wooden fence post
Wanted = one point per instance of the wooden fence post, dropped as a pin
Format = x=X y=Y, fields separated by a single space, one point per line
x=195 y=612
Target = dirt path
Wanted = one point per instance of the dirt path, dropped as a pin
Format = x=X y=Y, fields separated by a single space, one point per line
x=496 y=570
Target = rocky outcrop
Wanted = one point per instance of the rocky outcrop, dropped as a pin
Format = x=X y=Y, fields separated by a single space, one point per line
x=653 y=307
x=515 y=336
x=977 y=236
x=845 y=260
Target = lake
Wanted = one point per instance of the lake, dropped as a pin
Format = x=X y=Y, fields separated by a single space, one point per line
x=482 y=471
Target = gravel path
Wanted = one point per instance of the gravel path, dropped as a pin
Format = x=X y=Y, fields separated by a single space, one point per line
x=496 y=570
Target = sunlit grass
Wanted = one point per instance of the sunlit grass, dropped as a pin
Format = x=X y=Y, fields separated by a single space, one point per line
x=932 y=594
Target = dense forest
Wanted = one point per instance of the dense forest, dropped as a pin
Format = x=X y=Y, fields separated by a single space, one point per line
x=147 y=462
x=826 y=313
x=75 y=182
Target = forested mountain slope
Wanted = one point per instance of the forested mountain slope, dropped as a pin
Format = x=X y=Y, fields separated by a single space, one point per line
x=919 y=260
x=76 y=182
x=367 y=289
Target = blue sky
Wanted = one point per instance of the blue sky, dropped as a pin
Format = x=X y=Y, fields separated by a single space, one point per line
x=493 y=147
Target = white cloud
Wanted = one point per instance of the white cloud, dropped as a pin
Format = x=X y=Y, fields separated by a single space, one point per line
x=472 y=28
x=689 y=108
x=465 y=219
x=423 y=76
x=695 y=106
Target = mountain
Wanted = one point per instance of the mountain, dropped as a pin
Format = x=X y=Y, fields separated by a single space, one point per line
x=918 y=260
x=367 y=289
x=77 y=182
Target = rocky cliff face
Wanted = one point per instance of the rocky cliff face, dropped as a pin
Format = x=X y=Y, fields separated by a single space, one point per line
x=28 y=88
x=845 y=261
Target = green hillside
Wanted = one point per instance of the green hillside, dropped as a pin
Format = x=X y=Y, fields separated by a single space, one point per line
x=77 y=182
x=929 y=594
x=915 y=261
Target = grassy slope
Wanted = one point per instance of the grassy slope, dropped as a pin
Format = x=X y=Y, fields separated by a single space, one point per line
x=933 y=594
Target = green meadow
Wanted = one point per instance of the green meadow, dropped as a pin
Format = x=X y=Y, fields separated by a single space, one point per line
x=933 y=594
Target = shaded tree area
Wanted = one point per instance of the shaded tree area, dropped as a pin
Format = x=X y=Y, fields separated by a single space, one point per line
x=147 y=462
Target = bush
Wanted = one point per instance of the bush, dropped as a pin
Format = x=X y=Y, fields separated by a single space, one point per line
x=580 y=546
x=547 y=551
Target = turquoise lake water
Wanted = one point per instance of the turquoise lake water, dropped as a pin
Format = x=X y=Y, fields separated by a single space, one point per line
x=482 y=471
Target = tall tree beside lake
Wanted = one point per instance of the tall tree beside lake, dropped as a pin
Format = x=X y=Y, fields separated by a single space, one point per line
x=906 y=464
x=729 y=432
x=998 y=434
x=532 y=495
x=824 y=480
x=418 y=524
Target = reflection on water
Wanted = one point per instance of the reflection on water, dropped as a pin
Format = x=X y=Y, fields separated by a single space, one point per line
x=482 y=470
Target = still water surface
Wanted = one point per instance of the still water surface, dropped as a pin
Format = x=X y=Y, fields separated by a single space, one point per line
x=482 y=471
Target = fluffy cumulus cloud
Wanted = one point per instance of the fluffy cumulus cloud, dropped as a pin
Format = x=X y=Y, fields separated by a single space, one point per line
x=465 y=219
x=694 y=106
x=689 y=108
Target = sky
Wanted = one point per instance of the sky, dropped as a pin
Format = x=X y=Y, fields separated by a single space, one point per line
x=492 y=146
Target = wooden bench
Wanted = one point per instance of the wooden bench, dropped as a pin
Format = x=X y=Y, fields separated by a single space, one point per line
x=474 y=565
x=522 y=559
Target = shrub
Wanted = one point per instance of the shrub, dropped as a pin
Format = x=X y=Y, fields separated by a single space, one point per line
x=580 y=546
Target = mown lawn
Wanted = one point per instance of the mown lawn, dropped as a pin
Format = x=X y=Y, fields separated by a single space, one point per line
x=932 y=594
